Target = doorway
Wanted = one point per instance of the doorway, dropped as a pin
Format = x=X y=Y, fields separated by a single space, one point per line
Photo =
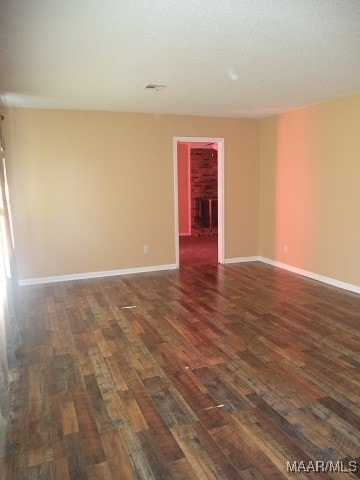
x=199 y=226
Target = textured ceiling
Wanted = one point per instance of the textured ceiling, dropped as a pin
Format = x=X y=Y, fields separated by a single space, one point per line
x=231 y=58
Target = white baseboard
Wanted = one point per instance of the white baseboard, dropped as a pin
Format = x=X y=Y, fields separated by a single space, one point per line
x=320 y=278
x=241 y=259
x=126 y=271
x=84 y=276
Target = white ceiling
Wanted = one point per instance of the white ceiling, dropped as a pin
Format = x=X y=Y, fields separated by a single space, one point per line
x=230 y=58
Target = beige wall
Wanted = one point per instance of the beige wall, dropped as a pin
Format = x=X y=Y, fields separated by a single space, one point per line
x=310 y=189
x=90 y=189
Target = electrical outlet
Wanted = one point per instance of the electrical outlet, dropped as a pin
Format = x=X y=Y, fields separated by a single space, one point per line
x=146 y=249
x=285 y=248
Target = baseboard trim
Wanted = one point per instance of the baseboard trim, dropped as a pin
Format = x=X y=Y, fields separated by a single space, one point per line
x=88 y=275
x=172 y=266
x=314 y=276
x=241 y=259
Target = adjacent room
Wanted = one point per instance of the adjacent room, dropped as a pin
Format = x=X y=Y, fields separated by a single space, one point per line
x=197 y=169
x=179 y=238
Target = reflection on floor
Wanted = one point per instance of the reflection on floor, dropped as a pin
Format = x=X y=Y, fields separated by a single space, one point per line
x=198 y=250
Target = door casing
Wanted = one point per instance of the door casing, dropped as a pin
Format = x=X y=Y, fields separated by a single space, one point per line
x=221 y=183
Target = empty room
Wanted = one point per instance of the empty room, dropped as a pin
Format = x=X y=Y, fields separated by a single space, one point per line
x=179 y=240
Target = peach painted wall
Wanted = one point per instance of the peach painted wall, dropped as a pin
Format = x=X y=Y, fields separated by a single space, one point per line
x=183 y=188
x=90 y=189
x=310 y=189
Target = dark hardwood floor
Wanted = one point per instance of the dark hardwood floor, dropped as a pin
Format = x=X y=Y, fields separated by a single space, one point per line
x=208 y=372
x=202 y=250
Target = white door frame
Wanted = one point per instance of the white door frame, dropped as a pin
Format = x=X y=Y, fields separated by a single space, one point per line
x=221 y=183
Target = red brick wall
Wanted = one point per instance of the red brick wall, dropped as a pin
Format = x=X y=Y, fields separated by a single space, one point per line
x=203 y=178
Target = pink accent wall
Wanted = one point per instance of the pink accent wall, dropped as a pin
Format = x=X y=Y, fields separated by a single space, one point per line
x=183 y=188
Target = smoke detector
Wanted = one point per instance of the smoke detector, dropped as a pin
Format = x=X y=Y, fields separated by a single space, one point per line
x=153 y=86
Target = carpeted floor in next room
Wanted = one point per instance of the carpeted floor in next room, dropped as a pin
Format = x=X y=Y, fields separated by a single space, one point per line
x=202 y=250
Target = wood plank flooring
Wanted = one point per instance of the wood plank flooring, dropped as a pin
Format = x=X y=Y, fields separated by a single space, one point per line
x=208 y=372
